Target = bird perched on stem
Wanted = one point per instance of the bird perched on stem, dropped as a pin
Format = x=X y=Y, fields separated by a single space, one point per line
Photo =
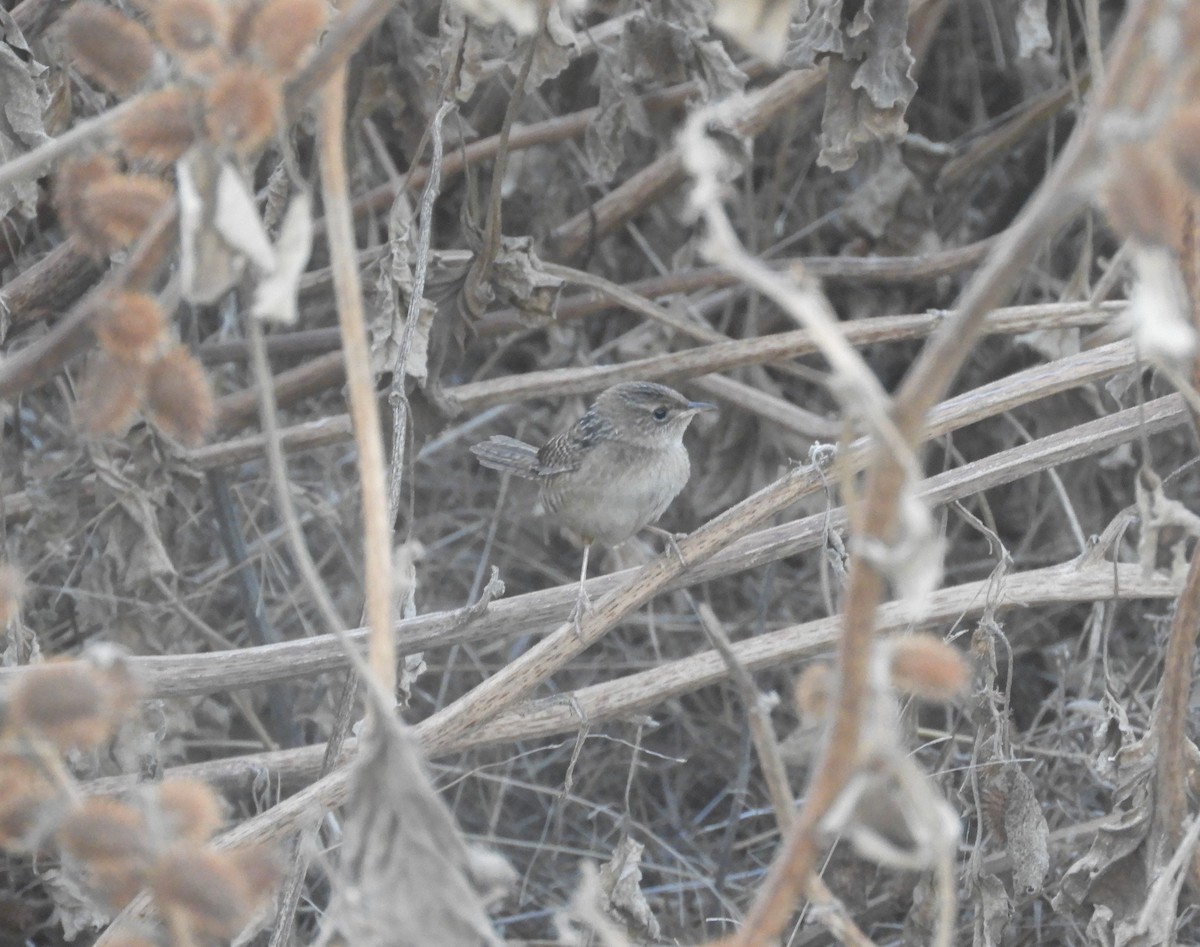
x=614 y=472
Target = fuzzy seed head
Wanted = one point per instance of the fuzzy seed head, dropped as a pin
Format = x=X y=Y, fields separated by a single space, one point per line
x=205 y=887
x=66 y=703
x=109 y=48
x=124 y=205
x=188 y=27
x=284 y=31
x=109 y=395
x=104 y=830
x=159 y=128
x=131 y=327
x=814 y=691
x=190 y=810
x=71 y=187
x=924 y=666
x=178 y=397
x=24 y=791
x=242 y=107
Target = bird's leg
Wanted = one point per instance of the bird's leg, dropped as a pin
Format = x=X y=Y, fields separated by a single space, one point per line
x=672 y=540
x=582 y=602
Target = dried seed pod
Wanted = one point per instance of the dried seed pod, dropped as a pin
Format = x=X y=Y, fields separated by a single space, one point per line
x=189 y=27
x=71 y=187
x=108 y=47
x=214 y=892
x=124 y=205
x=284 y=31
x=24 y=792
x=103 y=830
x=109 y=395
x=67 y=703
x=814 y=691
x=924 y=666
x=159 y=128
x=242 y=107
x=178 y=397
x=1144 y=196
x=190 y=809
x=131 y=327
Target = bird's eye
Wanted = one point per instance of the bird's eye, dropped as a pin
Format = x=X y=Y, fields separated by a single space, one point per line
x=660 y=413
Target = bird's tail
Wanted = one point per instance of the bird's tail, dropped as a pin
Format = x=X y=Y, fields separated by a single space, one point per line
x=509 y=455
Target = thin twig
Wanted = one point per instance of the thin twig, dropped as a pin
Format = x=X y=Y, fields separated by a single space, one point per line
x=377 y=550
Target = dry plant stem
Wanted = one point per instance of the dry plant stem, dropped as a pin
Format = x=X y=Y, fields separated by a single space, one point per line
x=1170 y=719
x=476 y=290
x=364 y=411
x=179 y=675
x=517 y=678
x=859 y=390
x=292 y=530
x=830 y=912
x=397 y=398
x=559 y=128
x=324 y=371
x=664 y=173
x=884 y=269
x=758 y=714
x=642 y=691
x=51 y=285
x=1032 y=116
x=348 y=32
x=923 y=386
x=1174 y=690
x=634 y=302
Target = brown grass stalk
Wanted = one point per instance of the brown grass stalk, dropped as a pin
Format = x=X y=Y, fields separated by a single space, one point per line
x=377 y=549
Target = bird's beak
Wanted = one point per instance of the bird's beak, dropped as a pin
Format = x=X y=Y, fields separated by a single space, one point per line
x=697 y=407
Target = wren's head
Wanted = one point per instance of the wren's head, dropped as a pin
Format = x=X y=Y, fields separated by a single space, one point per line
x=647 y=414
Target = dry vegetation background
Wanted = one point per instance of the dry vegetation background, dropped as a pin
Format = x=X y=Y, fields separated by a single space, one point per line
x=887 y=152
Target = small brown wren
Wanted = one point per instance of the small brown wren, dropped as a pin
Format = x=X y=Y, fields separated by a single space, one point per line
x=612 y=473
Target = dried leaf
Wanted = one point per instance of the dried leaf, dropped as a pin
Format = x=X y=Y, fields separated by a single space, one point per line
x=208 y=266
x=237 y=219
x=24 y=96
x=1026 y=831
x=1033 y=28
x=873 y=204
x=395 y=285
x=405 y=874
x=992 y=911
x=816 y=29
x=758 y=26
x=275 y=296
x=521 y=282
x=869 y=86
x=621 y=881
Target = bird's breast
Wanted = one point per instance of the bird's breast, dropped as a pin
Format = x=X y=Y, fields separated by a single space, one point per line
x=617 y=490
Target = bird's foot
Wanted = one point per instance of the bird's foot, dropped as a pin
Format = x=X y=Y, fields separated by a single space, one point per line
x=583 y=605
x=672 y=541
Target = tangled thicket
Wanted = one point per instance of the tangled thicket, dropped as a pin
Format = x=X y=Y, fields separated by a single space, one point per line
x=544 y=204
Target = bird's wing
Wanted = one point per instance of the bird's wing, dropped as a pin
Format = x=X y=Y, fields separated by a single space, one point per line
x=564 y=452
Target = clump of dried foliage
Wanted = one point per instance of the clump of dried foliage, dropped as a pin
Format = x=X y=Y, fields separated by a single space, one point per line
x=920 y=672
